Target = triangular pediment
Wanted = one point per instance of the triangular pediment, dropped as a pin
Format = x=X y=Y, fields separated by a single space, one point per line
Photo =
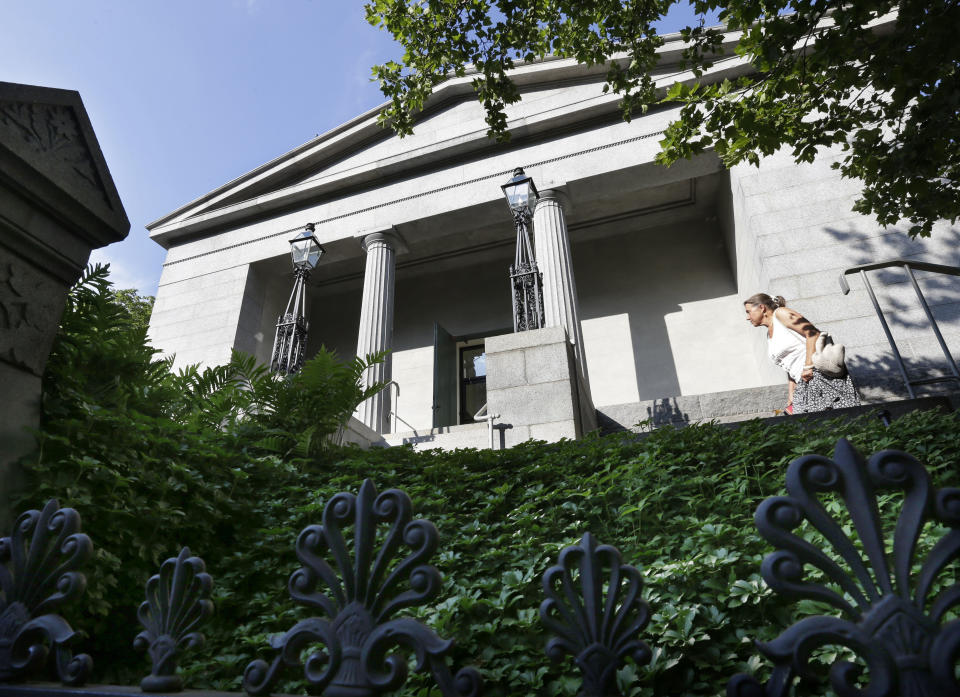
x=558 y=95
x=49 y=150
x=362 y=153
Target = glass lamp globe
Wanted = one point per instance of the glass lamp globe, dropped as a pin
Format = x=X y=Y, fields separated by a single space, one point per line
x=520 y=192
x=305 y=249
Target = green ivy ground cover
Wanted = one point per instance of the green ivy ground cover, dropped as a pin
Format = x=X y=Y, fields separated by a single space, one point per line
x=154 y=461
x=678 y=504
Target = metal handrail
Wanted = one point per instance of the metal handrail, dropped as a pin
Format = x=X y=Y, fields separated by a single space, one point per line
x=489 y=419
x=909 y=266
x=394 y=405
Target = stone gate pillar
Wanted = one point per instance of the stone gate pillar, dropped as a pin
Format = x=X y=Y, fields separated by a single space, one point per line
x=57 y=203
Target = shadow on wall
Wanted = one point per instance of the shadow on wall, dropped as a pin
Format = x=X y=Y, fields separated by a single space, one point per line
x=879 y=379
x=942 y=293
x=644 y=276
x=878 y=375
x=664 y=412
x=660 y=412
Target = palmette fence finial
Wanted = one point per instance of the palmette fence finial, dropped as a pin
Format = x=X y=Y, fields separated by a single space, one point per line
x=357 y=601
x=890 y=615
x=599 y=629
x=177 y=604
x=38 y=573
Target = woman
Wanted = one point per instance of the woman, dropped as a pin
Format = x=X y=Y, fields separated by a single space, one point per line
x=791 y=341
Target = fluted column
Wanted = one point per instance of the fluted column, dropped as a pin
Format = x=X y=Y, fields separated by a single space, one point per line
x=376 y=324
x=552 y=249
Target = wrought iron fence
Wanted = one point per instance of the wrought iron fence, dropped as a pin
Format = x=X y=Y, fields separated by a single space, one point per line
x=882 y=591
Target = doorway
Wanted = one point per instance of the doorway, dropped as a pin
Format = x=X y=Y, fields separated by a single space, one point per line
x=472 y=379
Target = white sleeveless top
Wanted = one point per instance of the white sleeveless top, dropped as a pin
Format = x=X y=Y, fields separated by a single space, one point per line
x=787 y=349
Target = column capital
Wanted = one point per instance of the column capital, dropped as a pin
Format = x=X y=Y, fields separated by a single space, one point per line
x=558 y=192
x=387 y=233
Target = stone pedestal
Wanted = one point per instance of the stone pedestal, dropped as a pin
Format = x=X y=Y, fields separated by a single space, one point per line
x=533 y=385
x=57 y=203
x=376 y=322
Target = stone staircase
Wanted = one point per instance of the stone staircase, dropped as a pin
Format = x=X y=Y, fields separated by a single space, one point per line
x=447 y=437
x=730 y=407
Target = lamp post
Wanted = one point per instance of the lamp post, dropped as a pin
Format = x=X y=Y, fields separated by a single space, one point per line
x=526 y=281
x=290 y=340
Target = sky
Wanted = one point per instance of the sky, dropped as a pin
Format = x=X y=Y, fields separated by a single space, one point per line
x=187 y=95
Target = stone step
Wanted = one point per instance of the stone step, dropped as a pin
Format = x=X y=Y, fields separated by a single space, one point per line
x=445 y=437
x=737 y=406
x=729 y=408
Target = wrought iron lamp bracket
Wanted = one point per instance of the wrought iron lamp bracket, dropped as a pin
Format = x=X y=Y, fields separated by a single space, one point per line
x=526 y=281
x=889 y=618
x=522 y=219
x=290 y=340
x=38 y=574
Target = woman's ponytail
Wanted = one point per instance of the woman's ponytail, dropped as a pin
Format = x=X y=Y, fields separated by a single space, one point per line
x=765 y=300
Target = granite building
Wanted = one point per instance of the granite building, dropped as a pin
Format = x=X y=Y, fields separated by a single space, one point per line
x=644 y=267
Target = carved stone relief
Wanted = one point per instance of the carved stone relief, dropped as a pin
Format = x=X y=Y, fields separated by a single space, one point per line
x=51 y=134
x=30 y=309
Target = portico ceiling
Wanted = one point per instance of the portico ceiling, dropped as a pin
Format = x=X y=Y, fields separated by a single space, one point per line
x=484 y=233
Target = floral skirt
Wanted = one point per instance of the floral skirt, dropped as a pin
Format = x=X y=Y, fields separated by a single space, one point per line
x=822 y=393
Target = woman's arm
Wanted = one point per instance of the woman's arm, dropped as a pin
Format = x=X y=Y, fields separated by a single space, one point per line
x=802 y=326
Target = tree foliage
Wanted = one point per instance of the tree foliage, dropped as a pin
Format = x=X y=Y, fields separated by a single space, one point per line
x=139 y=307
x=102 y=361
x=824 y=77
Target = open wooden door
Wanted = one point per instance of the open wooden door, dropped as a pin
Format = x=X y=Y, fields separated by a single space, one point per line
x=444 y=377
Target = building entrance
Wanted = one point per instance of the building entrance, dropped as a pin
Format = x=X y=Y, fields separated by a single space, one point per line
x=472 y=379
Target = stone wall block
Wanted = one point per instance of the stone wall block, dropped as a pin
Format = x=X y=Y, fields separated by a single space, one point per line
x=801 y=195
x=505 y=369
x=786 y=286
x=514 y=434
x=929 y=347
x=218 y=311
x=523 y=340
x=552 y=432
x=756 y=400
x=533 y=404
x=830 y=212
x=833 y=307
x=862 y=231
x=856 y=331
x=661 y=411
x=546 y=363
x=782 y=175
